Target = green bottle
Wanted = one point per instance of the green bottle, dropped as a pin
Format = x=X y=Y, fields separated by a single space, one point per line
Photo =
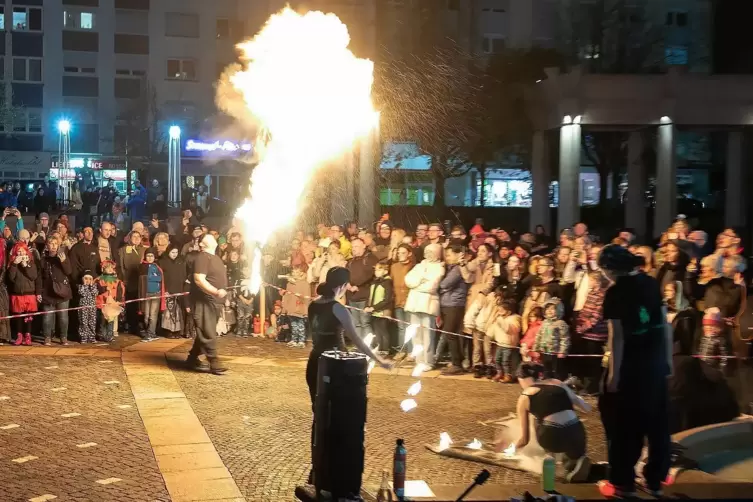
x=547 y=474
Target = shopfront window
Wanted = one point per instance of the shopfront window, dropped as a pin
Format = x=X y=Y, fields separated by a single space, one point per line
x=410 y=196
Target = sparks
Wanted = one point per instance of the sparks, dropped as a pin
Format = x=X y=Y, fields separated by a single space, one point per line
x=368 y=339
x=410 y=332
x=408 y=404
x=510 y=450
x=444 y=441
x=417 y=350
x=372 y=363
x=474 y=445
x=309 y=100
x=414 y=389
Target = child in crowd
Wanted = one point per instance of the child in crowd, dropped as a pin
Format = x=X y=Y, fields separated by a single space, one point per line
x=87 y=317
x=505 y=330
x=22 y=277
x=713 y=346
x=279 y=328
x=553 y=339
x=535 y=318
x=151 y=287
x=295 y=301
x=111 y=292
x=379 y=305
x=244 y=305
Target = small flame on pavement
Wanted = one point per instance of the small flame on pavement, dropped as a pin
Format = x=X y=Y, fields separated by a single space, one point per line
x=414 y=389
x=444 y=441
x=372 y=363
x=474 y=445
x=418 y=370
x=368 y=339
x=410 y=332
x=408 y=404
x=417 y=350
x=510 y=450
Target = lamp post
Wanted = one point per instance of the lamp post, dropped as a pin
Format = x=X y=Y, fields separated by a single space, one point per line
x=64 y=154
x=173 y=167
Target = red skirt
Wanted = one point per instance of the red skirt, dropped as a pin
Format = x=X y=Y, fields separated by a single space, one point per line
x=20 y=304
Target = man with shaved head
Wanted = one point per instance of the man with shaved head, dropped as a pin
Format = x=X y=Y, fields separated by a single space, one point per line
x=208 y=292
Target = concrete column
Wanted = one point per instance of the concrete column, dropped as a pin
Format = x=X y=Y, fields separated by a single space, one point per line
x=666 y=178
x=635 y=210
x=368 y=189
x=343 y=196
x=540 y=183
x=733 y=208
x=568 y=212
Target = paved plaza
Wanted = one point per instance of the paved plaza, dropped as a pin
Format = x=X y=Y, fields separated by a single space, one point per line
x=127 y=422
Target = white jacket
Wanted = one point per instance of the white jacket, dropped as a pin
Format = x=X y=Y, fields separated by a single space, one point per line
x=423 y=281
x=506 y=330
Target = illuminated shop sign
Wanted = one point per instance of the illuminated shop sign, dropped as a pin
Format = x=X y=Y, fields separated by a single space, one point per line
x=95 y=164
x=231 y=147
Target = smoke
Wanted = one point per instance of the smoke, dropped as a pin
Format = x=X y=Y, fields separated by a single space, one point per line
x=530 y=457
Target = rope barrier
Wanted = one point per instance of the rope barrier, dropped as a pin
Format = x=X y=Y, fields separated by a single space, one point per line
x=284 y=291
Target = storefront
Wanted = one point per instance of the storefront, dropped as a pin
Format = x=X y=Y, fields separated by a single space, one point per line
x=222 y=165
x=91 y=171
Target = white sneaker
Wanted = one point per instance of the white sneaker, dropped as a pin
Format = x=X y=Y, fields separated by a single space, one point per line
x=292 y=344
x=301 y=345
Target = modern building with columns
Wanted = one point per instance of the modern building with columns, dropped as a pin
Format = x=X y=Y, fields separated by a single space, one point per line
x=575 y=102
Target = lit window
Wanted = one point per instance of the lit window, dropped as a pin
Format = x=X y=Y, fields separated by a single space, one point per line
x=676 y=55
x=35 y=120
x=190 y=181
x=181 y=69
x=27 y=120
x=27 y=18
x=77 y=20
x=2 y=17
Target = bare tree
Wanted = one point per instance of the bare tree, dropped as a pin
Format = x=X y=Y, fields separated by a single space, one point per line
x=141 y=135
x=9 y=112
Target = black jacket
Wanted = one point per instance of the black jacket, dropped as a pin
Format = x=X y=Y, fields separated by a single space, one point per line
x=83 y=257
x=361 y=275
x=174 y=274
x=22 y=280
x=54 y=271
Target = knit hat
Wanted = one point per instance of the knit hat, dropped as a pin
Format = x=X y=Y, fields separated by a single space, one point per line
x=44 y=215
x=150 y=251
x=713 y=317
x=87 y=273
x=618 y=259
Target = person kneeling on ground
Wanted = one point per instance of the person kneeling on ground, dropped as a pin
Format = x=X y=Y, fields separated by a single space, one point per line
x=558 y=428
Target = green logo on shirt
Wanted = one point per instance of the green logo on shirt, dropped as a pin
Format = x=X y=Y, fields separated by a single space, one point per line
x=644 y=317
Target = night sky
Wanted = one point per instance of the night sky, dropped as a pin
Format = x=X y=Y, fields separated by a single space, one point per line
x=733 y=44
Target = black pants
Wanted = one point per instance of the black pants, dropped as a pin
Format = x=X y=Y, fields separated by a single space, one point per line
x=554 y=367
x=381 y=327
x=630 y=415
x=132 y=313
x=569 y=440
x=588 y=369
x=452 y=321
x=205 y=316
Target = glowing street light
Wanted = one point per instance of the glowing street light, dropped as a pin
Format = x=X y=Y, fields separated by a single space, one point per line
x=173 y=167
x=174 y=132
x=64 y=126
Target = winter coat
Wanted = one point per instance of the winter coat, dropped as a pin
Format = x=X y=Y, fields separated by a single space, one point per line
x=398 y=271
x=487 y=313
x=361 y=275
x=21 y=279
x=505 y=330
x=143 y=283
x=54 y=271
x=174 y=274
x=137 y=204
x=109 y=286
x=423 y=281
x=481 y=278
x=381 y=296
x=83 y=257
x=554 y=335
x=453 y=290
x=530 y=337
x=297 y=306
x=129 y=265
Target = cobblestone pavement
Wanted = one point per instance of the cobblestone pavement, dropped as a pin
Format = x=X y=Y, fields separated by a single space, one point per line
x=259 y=419
x=102 y=453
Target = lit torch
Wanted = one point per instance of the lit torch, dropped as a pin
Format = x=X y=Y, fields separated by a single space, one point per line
x=444 y=441
x=414 y=389
x=474 y=445
x=408 y=404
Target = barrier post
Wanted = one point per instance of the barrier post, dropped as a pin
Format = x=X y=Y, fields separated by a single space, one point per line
x=262 y=308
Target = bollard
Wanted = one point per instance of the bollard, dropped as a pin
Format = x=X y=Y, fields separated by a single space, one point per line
x=339 y=419
x=262 y=309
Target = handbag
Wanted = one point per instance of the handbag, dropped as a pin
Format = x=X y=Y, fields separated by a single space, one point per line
x=61 y=289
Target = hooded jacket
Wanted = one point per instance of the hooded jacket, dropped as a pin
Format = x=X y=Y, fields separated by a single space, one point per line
x=423 y=281
x=22 y=279
x=144 y=278
x=174 y=273
x=553 y=336
x=453 y=290
x=296 y=302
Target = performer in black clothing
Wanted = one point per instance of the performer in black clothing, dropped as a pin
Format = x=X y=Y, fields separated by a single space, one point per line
x=208 y=291
x=635 y=400
x=328 y=322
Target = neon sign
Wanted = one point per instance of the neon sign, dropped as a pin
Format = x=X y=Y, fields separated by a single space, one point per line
x=195 y=145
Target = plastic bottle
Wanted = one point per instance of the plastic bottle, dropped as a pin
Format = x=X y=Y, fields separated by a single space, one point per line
x=385 y=494
x=547 y=474
x=398 y=469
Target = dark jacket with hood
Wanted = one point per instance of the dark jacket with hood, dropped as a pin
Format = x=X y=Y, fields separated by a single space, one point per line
x=174 y=273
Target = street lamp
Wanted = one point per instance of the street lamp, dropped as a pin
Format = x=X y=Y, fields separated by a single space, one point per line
x=64 y=154
x=173 y=166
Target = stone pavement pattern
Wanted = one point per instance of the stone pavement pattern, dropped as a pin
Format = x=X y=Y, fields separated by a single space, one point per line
x=160 y=429
x=105 y=441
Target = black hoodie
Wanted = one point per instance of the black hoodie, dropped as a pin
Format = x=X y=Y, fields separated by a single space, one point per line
x=174 y=273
